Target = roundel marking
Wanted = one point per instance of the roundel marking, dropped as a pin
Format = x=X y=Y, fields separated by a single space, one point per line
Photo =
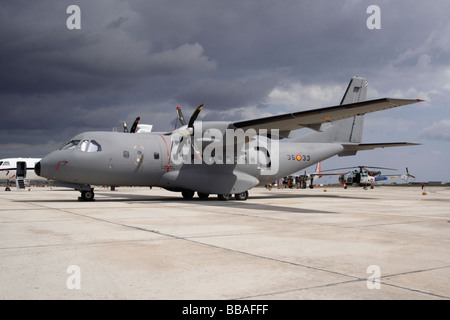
x=299 y=157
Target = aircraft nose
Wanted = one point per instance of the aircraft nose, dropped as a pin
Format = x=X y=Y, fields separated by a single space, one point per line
x=37 y=168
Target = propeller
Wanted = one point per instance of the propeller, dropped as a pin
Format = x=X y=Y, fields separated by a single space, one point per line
x=134 y=126
x=188 y=130
x=180 y=116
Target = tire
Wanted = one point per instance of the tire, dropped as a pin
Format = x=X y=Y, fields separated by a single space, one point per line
x=203 y=196
x=187 y=194
x=241 y=196
x=224 y=197
x=87 y=195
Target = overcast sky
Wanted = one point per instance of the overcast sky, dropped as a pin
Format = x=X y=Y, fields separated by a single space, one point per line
x=243 y=59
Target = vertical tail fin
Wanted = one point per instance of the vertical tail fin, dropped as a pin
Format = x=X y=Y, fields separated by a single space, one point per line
x=350 y=130
x=356 y=90
x=345 y=130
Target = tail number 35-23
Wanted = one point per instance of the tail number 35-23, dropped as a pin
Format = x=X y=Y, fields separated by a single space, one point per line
x=298 y=157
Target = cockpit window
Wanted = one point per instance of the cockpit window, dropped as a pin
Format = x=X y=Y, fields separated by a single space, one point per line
x=89 y=146
x=4 y=163
x=94 y=146
x=71 y=145
x=83 y=145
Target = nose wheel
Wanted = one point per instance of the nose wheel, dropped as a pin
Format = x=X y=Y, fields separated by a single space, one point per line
x=87 y=195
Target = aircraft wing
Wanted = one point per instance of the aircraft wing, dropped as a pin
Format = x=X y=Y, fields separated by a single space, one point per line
x=314 y=118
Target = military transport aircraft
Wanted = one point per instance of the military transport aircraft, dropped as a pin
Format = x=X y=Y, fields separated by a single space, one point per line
x=216 y=157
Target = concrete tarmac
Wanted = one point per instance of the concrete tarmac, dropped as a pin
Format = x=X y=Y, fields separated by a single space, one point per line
x=284 y=244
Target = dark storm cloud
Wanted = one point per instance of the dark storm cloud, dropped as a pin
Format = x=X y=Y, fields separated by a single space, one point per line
x=48 y=57
x=223 y=95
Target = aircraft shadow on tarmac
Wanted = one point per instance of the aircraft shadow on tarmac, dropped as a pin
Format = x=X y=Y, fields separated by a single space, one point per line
x=108 y=196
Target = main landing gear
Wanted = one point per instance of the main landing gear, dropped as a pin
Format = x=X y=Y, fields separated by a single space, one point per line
x=86 y=195
x=188 y=194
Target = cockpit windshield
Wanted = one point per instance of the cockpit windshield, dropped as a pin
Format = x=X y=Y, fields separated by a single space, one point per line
x=89 y=146
x=71 y=145
x=82 y=145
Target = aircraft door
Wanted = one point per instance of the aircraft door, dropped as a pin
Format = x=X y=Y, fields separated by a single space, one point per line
x=357 y=179
x=21 y=171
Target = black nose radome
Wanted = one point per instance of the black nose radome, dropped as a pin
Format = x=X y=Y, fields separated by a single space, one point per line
x=37 y=168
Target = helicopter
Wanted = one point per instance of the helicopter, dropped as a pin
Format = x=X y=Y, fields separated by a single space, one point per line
x=364 y=177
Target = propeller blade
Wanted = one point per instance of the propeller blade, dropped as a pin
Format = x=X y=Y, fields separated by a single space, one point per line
x=184 y=141
x=134 y=126
x=196 y=149
x=194 y=116
x=187 y=131
x=181 y=144
x=180 y=116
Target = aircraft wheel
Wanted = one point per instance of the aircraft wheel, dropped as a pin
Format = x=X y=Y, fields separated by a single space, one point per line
x=203 y=196
x=241 y=196
x=345 y=187
x=87 y=195
x=7 y=189
x=224 y=197
x=187 y=194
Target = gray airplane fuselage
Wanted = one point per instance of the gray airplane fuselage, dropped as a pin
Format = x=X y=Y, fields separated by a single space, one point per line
x=124 y=159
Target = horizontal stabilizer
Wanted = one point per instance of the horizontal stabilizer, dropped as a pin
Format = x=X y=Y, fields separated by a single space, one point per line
x=351 y=149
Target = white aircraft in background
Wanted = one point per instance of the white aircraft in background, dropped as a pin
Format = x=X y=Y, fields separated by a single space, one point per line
x=19 y=170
